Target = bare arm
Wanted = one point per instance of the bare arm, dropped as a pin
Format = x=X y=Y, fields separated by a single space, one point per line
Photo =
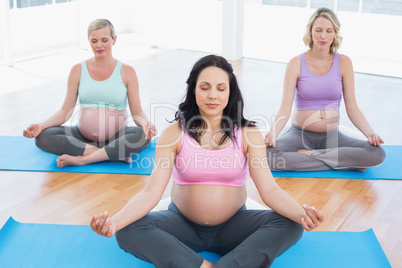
x=354 y=113
x=289 y=85
x=148 y=198
x=67 y=109
x=131 y=81
x=272 y=195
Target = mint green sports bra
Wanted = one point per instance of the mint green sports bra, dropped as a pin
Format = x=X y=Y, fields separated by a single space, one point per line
x=109 y=93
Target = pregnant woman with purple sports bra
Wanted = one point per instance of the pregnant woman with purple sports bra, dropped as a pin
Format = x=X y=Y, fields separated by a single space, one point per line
x=105 y=87
x=316 y=81
x=208 y=151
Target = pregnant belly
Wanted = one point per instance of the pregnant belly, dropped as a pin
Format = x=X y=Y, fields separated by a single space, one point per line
x=317 y=121
x=208 y=204
x=100 y=124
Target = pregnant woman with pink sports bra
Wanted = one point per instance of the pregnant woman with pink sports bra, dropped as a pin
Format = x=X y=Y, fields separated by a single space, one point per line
x=209 y=151
x=316 y=81
x=105 y=87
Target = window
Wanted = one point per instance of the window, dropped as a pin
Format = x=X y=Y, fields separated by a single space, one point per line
x=33 y=3
x=289 y=3
x=387 y=7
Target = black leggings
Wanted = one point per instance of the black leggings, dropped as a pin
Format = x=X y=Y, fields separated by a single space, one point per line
x=251 y=238
x=68 y=140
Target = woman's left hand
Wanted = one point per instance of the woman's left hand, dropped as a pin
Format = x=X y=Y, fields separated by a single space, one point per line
x=375 y=139
x=312 y=218
x=149 y=130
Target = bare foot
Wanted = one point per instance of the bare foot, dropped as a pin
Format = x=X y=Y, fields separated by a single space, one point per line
x=358 y=169
x=361 y=169
x=69 y=160
x=302 y=151
x=207 y=264
x=126 y=159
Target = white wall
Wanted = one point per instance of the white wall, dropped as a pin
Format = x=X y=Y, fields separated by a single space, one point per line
x=184 y=24
x=374 y=42
x=40 y=30
x=121 y=13
x=47 y=29
x=270 y=32
x=189 y=24
x=371 y=40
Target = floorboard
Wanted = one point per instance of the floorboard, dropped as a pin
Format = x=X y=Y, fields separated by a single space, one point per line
x=348 y=205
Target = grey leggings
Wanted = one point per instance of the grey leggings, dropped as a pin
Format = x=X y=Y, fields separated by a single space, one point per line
x=68 y=140
x=329 y=150
x=251 y=238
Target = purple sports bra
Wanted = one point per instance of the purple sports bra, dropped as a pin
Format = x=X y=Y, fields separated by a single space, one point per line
x=196 y=165
x=319 y=92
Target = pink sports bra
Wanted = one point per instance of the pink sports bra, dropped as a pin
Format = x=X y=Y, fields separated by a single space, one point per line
x=196 y=165
x=319 y=92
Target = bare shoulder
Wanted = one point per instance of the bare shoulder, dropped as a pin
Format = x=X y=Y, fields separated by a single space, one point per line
x=75 y=72
x=127 y=69
x=344 y=59
x=346 y=64
x=76 y=69
x=252 y=138
x=128 y=73
x=173 y=129
x=171 y=136
x=293 y=66
x=295 y=61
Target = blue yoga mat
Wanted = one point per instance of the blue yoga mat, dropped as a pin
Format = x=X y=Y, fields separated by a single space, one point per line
x=390 y=169
x=20 y=153
x=51 y=245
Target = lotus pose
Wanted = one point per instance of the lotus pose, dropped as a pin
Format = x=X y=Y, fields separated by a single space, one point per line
x=316 y=81
x=105 y=87
x=209 y=150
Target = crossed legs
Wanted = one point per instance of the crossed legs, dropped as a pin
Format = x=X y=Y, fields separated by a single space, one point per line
x=302 y=150
x=251 y=238
x=77 y=150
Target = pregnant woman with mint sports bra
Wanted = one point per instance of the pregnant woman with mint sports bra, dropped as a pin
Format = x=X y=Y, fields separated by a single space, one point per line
x=316 y=81
x=105 y=87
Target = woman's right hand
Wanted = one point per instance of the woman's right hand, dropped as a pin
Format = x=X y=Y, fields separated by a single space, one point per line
x=33 y=131
x=269 y=141
x=312 y=218
x=103 y=225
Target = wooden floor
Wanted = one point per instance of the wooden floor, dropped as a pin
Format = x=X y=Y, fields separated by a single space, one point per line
x=34 y=89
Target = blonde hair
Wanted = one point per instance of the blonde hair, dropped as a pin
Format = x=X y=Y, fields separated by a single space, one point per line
x=99 y=24
x=329 y=15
